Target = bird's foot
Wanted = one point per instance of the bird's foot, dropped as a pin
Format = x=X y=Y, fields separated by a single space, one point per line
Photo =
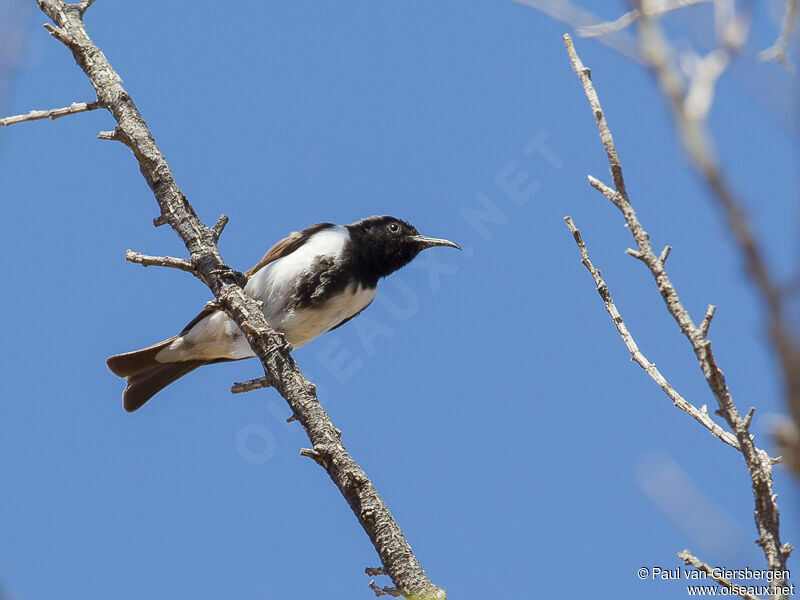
x=284 y=345
x=226 y=272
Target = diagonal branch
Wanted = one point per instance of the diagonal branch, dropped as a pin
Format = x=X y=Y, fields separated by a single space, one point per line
x=759 y=463
x=200 y=240
x=689 y=559
x=701 y=416
x=778 y=50
x=52 y=114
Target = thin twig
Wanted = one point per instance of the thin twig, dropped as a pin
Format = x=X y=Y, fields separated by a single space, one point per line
x=748 y=418
x=759 y=463
x=706 y=323
x=108 y=135
x=240 y=387
x=637 y=356
x=218 y=228
x=159 y=261
x=778 y=50
x=585 y=75
x=52 y=114
x=689 y=559
x=84 y=5
x=384 y=591
x=318 y=456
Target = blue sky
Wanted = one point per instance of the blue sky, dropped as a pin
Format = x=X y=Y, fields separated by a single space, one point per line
x=486 y=393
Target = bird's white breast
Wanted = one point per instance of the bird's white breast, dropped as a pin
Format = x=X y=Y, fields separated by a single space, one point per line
x=274 y=282
x=303 y=325
x=218 y=336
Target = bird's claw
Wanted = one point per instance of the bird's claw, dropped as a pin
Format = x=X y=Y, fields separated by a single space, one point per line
x=226 y=272
x=284 y=345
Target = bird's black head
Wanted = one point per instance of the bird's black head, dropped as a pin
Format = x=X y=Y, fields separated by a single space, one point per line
x=382 y=245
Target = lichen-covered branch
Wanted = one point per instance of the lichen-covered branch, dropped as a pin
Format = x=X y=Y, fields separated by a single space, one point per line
x=395 y=553
x=759 y=463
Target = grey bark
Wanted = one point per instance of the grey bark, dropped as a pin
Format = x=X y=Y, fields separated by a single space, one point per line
x=328 y=451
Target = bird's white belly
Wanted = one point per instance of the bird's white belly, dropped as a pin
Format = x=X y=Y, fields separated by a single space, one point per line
x=217 y=335
x=303 y=325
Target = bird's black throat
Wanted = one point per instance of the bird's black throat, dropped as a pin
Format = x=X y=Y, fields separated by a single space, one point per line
x=378 y=247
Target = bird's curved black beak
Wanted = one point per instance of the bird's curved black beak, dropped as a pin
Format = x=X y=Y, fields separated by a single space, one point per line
x=429 y=242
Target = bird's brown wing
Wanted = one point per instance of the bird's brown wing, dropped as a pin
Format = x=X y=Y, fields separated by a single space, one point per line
x=287 y=245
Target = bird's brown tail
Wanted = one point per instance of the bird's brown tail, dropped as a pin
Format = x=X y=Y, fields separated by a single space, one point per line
x=143 y=386
x=146 y=376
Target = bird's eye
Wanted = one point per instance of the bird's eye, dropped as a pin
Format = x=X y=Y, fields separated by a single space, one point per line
x=394 y=227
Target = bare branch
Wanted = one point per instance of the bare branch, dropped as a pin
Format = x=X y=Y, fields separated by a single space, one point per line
x=748 y=418
x=318 y=457
x=584 y=74
x=110 y=136
x=52 y=114
x=374 y=516
x=84 y=5
x=219 y=227
x=605 y=190
x=159 y=261
x=637 y=356
x=374 y=571
x=759 y=463
x=689 y=559
x=778 y=50
x=60 y=35
x=634 y=253
x=383 y=591
x=706 y=71
x=662 y=258
x=707 y=320
x=240 y=387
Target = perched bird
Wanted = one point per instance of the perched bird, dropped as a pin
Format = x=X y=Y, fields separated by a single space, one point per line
x=310 y=282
